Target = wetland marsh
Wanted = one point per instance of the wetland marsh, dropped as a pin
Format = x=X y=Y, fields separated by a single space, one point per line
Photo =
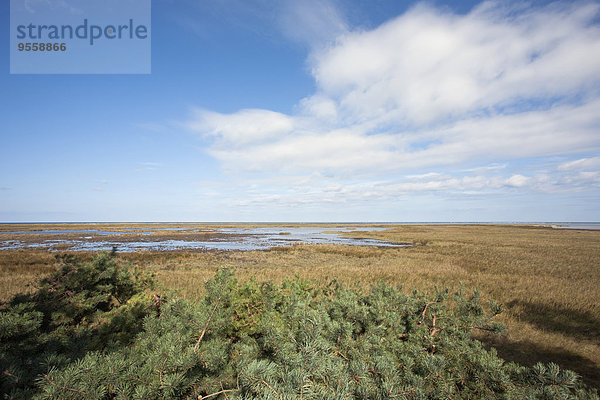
x=186 y=238
x=547 y=279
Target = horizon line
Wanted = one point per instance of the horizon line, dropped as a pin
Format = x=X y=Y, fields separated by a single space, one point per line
x=306 y=222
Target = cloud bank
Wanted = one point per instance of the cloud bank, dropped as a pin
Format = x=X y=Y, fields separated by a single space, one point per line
x=433 y=91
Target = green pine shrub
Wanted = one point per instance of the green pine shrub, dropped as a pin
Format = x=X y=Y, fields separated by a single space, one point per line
x=79 y=308
x=297 y=340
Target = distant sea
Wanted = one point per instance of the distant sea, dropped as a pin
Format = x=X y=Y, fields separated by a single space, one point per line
x=556 y=225
x=576 y=225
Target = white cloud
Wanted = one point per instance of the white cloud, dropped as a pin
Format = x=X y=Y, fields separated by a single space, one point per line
x=241 y=128
x=320 y=107
x=429 y=90
x=428 y=66
x=559 y=130
x=339 y=150
x=582 y=163
x=320 y=191
x=518 y=180
x=582 y=178
x=312 y=22
x=264 y=140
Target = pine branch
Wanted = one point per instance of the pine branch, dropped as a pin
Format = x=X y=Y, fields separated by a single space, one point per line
x=401 y=394
x=6 y=373
x=64 y=387
x=270 y=387
x=424 y=311
x=209 y=319
x=208 y=396
x=337 y=353
x=205 y=327
x=434 y=330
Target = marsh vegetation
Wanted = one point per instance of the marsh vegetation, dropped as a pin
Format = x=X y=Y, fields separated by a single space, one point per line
x=547 y=280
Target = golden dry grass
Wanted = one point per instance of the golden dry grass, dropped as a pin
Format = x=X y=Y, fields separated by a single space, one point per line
x=548 y=280
x=20 y=268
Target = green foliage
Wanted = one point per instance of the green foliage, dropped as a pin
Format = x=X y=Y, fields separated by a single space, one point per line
x=78 y=308
x=296 y=340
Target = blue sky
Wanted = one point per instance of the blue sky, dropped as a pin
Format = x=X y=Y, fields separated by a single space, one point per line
x=319 y=110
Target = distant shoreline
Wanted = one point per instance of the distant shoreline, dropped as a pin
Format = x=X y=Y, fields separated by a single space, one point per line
x=540 y=223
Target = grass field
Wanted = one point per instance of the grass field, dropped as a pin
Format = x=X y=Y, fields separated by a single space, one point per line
x=548 y=280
